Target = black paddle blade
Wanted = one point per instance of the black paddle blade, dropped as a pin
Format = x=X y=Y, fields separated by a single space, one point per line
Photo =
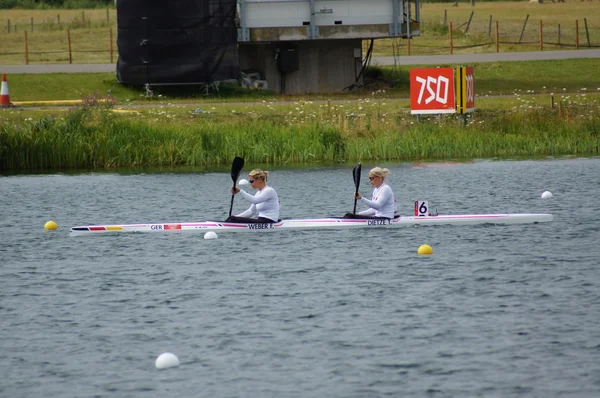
x=236 y=168
x=356 y=175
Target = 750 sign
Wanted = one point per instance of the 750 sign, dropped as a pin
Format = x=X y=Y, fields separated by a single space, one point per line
x=432 y=90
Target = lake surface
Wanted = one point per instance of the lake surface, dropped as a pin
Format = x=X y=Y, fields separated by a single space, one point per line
x=496 y=311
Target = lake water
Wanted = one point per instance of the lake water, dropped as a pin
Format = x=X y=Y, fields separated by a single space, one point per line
x=496 y=311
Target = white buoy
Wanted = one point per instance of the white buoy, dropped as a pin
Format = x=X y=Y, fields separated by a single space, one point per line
x=546 y=195
x=243 y=181
x=166 y=360
x=210 y=235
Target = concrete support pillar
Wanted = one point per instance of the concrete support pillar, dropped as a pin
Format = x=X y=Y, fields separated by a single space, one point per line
x=323 y=65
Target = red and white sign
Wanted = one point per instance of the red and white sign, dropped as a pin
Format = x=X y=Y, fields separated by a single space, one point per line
x=470 y=105
x=432 y=91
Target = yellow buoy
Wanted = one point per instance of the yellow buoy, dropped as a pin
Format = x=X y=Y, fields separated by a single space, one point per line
x=50 y=226
x=425 y=249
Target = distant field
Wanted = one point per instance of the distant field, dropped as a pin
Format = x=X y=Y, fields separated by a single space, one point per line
x=89 y=31
x=511 y=16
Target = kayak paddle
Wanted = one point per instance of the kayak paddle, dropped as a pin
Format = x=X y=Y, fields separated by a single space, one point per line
x=356 y=176
x=236 y=168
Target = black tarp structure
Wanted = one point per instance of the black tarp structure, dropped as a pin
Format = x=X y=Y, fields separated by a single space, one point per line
x=176 y=41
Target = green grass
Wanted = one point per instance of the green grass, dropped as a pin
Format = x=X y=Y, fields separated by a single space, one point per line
x=502 y=78
x=524 y=109
x=94 y=137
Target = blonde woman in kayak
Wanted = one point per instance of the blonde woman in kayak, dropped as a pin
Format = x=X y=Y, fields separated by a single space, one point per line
x=264 y=204
x=382 y=203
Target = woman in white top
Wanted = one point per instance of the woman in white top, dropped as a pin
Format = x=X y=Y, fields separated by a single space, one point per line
x=264 y=204
x=382 y=203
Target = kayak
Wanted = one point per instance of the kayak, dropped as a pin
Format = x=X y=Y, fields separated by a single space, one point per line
x=315 y=223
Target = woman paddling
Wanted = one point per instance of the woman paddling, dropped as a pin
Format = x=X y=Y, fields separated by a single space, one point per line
x=265 y=203
x=382 y=204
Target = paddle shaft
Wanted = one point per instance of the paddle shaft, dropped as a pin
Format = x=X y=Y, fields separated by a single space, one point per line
x=231 y=206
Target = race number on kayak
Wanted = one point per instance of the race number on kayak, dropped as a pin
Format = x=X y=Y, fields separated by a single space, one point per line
x=421 y=208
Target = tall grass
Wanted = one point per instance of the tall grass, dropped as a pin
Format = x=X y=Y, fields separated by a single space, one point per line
x=93 y=137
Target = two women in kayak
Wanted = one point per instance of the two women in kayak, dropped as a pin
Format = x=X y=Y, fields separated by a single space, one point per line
x=264 y=205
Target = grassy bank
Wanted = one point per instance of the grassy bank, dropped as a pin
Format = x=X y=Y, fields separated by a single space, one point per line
x=524 y=109
x=95 y=137
x=494 y=78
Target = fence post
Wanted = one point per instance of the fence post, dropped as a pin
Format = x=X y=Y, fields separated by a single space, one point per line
x=490 y=28
x=107 y=16
x=26 y=50
x=31 y=24
x=445 y=17
x=587 y=32
x=497 y=37
x=69 y=43
x=469 y=22
x=523 y=29
x=559 y=35
x=577 y=34
x=8 y=24
x=409 y=40
x=58 y=19
x=541 y=36
x=111 y=44
x=451 y=44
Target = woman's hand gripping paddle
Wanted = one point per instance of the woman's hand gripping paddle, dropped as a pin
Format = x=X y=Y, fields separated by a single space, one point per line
x=356 y=176
x=236 y=168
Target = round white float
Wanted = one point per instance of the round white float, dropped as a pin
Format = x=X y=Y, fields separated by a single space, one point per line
x=546 y=195
x=210 y=235
x=243 y=181
x=166 y=360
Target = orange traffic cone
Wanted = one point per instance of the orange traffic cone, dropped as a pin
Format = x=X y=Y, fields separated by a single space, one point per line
x=4 y=97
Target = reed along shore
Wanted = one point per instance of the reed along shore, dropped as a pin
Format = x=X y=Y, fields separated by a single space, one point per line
x=95 y=137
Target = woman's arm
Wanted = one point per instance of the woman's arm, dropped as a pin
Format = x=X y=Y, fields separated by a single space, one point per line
x=261 y=196
x=250 y=211
x=382 y=197
x=368 y=212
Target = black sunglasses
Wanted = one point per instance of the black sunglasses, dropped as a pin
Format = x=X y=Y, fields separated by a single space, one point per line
x=372 y=178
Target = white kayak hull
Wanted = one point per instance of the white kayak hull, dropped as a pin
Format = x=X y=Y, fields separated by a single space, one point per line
x=317 y=223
